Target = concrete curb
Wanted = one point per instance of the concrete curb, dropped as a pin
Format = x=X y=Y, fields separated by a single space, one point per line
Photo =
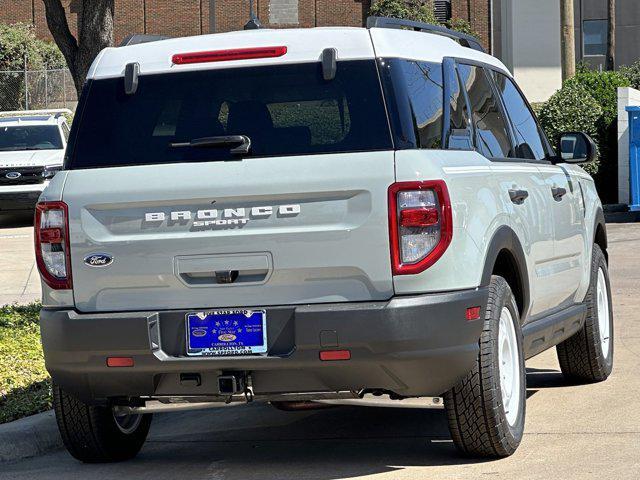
x=29 y=437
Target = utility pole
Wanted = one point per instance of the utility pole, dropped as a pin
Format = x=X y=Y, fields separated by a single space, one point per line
x=568 y=39
x=611 y=36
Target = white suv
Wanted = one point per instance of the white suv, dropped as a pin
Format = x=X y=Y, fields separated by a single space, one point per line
x=31 y=152
x=314 y=215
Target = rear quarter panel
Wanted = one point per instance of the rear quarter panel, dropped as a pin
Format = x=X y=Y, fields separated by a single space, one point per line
x=478 y=211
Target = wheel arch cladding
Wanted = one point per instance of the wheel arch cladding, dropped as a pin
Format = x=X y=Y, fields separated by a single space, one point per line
x=505 y=257
x=600 y=233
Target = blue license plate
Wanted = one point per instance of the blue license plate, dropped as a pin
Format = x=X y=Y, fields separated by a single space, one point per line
x=227 y=332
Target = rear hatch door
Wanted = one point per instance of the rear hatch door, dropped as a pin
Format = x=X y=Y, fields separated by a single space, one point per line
x=158 y=223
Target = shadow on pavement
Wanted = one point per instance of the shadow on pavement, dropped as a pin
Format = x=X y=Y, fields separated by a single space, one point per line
x=259 y=442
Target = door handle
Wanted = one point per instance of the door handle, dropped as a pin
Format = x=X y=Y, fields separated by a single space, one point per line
x=558 y=193
x=518 y=196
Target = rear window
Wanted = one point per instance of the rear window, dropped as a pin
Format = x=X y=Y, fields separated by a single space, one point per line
x=284 y=110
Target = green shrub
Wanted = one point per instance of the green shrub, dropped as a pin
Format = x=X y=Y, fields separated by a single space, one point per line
x=19 y=46
x=632 y=74
x=417 y=10
x=571 y=109
x=603 y=87
x=18 y=41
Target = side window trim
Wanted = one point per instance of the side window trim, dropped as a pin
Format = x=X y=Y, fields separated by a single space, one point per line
x=488 y=67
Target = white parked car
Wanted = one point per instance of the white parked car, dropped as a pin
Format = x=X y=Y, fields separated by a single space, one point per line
x=314 y=215
x=31 y=152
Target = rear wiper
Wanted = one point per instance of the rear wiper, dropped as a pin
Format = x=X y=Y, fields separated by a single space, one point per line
x=242 y=141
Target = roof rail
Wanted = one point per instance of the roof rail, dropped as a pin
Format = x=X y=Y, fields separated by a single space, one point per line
x=463 y=39
x=138 y=38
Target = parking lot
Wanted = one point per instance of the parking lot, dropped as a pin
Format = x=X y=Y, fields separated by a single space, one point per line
x=590 y=431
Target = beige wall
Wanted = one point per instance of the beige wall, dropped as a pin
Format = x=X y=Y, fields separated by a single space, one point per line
x=531 y=45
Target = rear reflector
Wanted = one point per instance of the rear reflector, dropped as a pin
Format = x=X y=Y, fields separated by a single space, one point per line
x=333 y=355
x=119 y=362
x=419 y=217
x=473 y=313
x=228 y=55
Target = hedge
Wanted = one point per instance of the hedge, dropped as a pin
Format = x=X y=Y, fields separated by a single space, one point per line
x=571 y=109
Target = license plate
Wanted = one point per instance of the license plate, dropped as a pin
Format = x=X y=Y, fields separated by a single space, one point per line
x=227 y=332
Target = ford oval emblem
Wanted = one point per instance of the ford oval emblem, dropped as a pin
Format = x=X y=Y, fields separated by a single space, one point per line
x=13 y=175
x=98 y=260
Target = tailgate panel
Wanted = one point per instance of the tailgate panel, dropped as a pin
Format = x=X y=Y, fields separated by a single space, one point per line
x=296 y=230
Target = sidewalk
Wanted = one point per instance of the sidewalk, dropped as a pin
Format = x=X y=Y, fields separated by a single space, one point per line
x=20 y=281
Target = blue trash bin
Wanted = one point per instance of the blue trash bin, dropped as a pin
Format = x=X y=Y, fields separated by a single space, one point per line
x=634 y=156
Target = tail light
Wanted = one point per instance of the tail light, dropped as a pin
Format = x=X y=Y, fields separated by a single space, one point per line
x=420 y=225
x=52 y=244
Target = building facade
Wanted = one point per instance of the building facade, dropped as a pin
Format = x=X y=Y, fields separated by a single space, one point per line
x=196 y=17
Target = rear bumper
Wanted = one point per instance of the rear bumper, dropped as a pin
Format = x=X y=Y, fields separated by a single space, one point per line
x=13 y=200
x=412 y=346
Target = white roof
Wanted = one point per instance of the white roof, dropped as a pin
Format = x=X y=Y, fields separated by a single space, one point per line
x=303 y=46
x=28 y=120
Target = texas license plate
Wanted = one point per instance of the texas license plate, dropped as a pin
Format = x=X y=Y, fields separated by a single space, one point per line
x=227 y=332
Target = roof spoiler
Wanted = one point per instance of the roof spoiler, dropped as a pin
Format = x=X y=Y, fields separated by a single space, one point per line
x=463 y=39
x=138 y=38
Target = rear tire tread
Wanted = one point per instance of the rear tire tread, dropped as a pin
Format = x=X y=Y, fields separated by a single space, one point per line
x=477 y=428
x=90 y=433
x=580 y=358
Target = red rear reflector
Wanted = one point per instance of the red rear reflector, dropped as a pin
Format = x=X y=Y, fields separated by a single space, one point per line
x=119 y=362
x=473 y=313
x=51 y=235
x=228 y=55
x=419 y=217
x=332 y=355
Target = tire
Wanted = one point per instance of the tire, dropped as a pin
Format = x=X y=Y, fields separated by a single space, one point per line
x=483 y=421
x=586 y=357
x=91 y=433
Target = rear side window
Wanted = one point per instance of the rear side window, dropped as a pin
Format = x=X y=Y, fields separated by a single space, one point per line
x=415 y=94
x=284 y=110
x=492 y=137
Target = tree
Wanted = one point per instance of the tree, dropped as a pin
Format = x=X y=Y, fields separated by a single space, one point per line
x=611 y=36
x=417 y=10
x=568 y=39
x=95 y=32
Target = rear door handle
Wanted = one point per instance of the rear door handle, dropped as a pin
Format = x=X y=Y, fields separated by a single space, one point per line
x=518 y=196
x=558 y=193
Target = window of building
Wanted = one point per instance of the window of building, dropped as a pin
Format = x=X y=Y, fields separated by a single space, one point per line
x=529 y=142
x=594 y=37
x=492 y=137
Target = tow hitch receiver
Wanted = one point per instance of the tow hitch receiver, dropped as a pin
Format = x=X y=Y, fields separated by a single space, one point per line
x=231 y=384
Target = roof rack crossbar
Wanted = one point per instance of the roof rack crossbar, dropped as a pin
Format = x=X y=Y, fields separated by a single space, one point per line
x=465 y=40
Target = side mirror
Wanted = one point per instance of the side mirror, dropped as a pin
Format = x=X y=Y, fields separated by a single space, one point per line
x=577 y=147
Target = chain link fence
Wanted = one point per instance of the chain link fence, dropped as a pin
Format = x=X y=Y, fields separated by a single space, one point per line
x=36 y=90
